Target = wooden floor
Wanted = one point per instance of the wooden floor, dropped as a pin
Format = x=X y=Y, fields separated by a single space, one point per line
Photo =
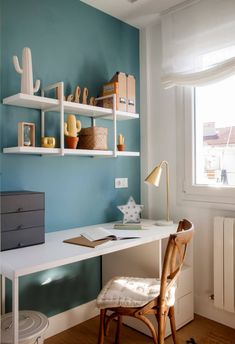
x=203 y=331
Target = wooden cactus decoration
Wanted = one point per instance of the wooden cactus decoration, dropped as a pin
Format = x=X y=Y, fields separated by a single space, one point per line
x=121 y=143
x=26 y=72
x=121 y=139
x=72 y=127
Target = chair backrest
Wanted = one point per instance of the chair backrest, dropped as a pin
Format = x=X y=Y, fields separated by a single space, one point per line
x=174 y=256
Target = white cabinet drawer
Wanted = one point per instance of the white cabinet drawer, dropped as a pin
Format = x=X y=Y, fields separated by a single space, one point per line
x=184 y=310
x=185 y=282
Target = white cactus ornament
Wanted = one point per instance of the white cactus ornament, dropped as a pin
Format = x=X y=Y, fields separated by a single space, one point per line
x=26 y=72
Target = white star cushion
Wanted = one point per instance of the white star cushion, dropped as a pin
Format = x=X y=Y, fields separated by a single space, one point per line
x=132 y=292
x=131 y=211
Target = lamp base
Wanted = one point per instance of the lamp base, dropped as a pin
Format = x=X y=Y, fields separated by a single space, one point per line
x=163 y=223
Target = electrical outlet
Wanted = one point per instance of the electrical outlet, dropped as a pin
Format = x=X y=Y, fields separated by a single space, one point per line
x=121 y=183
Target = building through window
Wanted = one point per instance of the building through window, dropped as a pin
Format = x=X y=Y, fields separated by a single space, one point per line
x=214 y=129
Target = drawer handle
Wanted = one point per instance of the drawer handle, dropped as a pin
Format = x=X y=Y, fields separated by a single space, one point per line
x=20 y=227
x=20 y=209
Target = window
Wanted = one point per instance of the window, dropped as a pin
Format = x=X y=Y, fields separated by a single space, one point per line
x=209 y=113
x=215 y=134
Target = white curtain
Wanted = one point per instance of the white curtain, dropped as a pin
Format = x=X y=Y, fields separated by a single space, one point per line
x=198 y=41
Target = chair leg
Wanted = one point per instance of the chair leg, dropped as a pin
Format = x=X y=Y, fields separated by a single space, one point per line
x=161 y=320
x=119 y=325
x=102 y=325
x=171 y=315
x=108 y=322
x=150 y=326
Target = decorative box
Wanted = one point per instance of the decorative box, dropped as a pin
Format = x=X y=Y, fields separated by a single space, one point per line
x=118 y=86
x=22 y=219
x=124 y=86
x=93 y=138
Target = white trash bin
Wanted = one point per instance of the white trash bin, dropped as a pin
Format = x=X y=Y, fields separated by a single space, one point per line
x=32 y=327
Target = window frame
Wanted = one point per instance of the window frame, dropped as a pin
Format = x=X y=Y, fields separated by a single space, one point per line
x=213 y=195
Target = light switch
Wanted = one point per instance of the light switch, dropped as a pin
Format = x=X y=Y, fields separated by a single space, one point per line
x=121 y=183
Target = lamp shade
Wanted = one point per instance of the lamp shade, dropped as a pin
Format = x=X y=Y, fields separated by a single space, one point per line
x=155 y=176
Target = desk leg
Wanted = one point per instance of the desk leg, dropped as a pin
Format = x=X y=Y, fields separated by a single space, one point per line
x=3 y=294
x=15 y=309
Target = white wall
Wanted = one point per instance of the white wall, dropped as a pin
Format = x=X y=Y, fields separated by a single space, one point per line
x=160 y=128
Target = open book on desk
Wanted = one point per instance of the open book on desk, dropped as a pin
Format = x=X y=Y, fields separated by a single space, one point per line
x=101 y=233
x=97 y=236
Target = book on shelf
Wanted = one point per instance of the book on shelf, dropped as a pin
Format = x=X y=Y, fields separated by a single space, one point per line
x=93 y=237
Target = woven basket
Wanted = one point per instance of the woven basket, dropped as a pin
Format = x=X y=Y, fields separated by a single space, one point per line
x=93 y=138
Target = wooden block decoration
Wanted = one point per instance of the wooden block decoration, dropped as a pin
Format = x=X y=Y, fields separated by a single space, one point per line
x=77 y=94
x=85 y=95
x=70 y=98
x=26 y=134
x=92 y=101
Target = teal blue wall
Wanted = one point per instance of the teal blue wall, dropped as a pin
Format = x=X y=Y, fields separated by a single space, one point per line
x=77 y=44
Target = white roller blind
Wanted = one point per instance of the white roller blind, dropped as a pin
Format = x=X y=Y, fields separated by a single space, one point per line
x=198 y=42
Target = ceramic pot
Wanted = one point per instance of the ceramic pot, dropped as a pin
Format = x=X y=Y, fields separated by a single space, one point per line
x=71 y=142
x=48 y=142
x=121 y=147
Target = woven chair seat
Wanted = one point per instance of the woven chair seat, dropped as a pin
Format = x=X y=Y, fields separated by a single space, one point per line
x=132 y=292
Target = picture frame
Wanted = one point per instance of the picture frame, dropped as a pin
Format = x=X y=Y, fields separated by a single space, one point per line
x=26 y=134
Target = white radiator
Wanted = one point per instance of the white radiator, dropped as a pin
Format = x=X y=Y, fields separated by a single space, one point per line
x=224 y=263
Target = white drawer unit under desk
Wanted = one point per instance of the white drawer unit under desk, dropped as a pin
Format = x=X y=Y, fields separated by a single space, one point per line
x=54 y=253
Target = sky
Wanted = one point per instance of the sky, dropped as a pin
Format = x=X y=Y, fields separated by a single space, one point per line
x=216 y=103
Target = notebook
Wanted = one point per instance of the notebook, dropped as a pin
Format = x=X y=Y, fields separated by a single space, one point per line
x=80 y=240
x=93 y=237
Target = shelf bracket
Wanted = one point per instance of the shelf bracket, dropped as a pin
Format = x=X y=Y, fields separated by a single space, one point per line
x=114 y=114
x=60 y=87
x=93 y=121
x=114 y=125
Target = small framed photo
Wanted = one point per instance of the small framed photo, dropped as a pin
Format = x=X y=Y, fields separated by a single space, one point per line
x=26 y=134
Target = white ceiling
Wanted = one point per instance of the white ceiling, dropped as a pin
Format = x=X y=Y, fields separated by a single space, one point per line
x=138 y=13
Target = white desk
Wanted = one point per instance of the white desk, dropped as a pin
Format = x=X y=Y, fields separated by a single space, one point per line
x=54 y=253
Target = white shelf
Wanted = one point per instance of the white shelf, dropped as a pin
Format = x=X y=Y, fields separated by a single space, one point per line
x=31 y=150
x=43 y=103
x=127 y=153
x=32 y=102
x=50 y=104
x=87 y=152
x=57 y=151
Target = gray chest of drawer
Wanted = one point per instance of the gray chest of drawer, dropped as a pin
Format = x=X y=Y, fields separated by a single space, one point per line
x=22 y=219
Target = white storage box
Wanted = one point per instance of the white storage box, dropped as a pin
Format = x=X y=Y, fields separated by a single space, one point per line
x=32 y=326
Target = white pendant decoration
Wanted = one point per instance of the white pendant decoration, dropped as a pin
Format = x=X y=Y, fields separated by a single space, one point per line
x=26 y=72
x=131 y=211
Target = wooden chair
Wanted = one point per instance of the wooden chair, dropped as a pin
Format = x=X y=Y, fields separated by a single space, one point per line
x=138 y=297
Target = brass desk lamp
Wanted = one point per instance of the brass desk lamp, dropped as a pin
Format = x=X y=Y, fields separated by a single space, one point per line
x=154 y=179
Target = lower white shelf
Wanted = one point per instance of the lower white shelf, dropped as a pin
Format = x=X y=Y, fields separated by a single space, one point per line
x=57 y=151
